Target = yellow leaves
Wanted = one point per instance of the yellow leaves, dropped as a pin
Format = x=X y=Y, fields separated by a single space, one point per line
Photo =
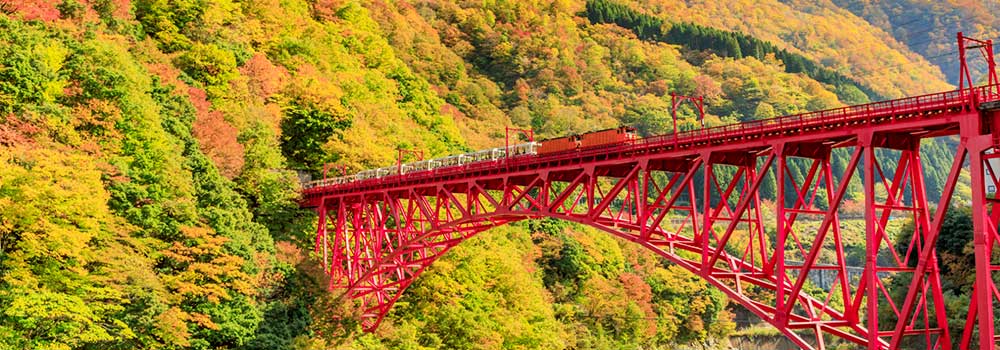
x=681 y=280
x=748 y=80
x=356 y=77
x=53 y=201
x=220 y=13
x=63 y=276
x=171 y=327
x=203 y=268
x=358 y=148
x=42 y=304
x=51 y=57
x=310 y=86
x=840 y=40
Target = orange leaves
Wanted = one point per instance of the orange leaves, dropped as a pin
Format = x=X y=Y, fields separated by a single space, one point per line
x=44 y=10
x=14 y=131
x=642 y=295
x=852 y=209
x=168 y=73
x=522 y=90
x=203 y=267
x=203 y=320
x=326 y=9
x=172 y=325
x=288 y=253
x=636 y=288
x=121 y=8
x=624 y=305
x=216 y=137
x=95 y=120
x=266 y=79
x=707 y=87
x=172 y=328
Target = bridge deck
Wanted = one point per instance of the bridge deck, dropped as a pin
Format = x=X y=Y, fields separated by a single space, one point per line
x=930 y=115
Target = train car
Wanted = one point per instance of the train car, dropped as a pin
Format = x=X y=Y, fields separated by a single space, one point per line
x=588 y=140
x=365 y=175
x=607 y=137
x=565 y=143
x=556 y=145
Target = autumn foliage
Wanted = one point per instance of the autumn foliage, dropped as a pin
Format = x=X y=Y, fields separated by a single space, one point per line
x=45 y=10
x=150 y=153
x=217 y=138
x=265 y=78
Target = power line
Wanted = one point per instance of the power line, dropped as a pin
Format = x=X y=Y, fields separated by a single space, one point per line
x=904 y=24
x=925 y=41
x=910 y=35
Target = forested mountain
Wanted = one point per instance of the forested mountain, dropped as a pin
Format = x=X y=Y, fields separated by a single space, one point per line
x=929 y=27
x=824 y=32
x=150 y=151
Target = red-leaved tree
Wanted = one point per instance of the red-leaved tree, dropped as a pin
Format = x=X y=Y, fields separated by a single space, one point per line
x=266 y=79
x=216 y=137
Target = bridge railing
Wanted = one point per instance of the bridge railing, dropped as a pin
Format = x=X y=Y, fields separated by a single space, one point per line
x=858 y=114
x=987 y=93
x=482 y=156
x=874 y=112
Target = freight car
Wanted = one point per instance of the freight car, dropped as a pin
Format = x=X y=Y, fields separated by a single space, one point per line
x=591 y=139
x=565 y=143
x=607 y=137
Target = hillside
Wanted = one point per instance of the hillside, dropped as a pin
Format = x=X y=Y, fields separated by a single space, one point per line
x=151 y=152
x=821 y=30
x=929 y=27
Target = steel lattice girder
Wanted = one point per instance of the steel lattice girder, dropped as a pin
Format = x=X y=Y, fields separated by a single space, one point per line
x=667 y=198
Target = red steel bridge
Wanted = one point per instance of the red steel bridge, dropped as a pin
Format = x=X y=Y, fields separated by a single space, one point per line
x=665 y=193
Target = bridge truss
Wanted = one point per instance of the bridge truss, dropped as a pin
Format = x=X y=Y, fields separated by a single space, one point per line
x=693 y=198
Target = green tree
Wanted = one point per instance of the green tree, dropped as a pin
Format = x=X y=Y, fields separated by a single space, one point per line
x=305 y=130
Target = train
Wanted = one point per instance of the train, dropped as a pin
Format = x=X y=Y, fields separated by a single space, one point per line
x=593 y=139
x=600 y=138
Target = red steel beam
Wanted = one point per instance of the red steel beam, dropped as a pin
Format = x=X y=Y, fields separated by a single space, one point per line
x=387 y=231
